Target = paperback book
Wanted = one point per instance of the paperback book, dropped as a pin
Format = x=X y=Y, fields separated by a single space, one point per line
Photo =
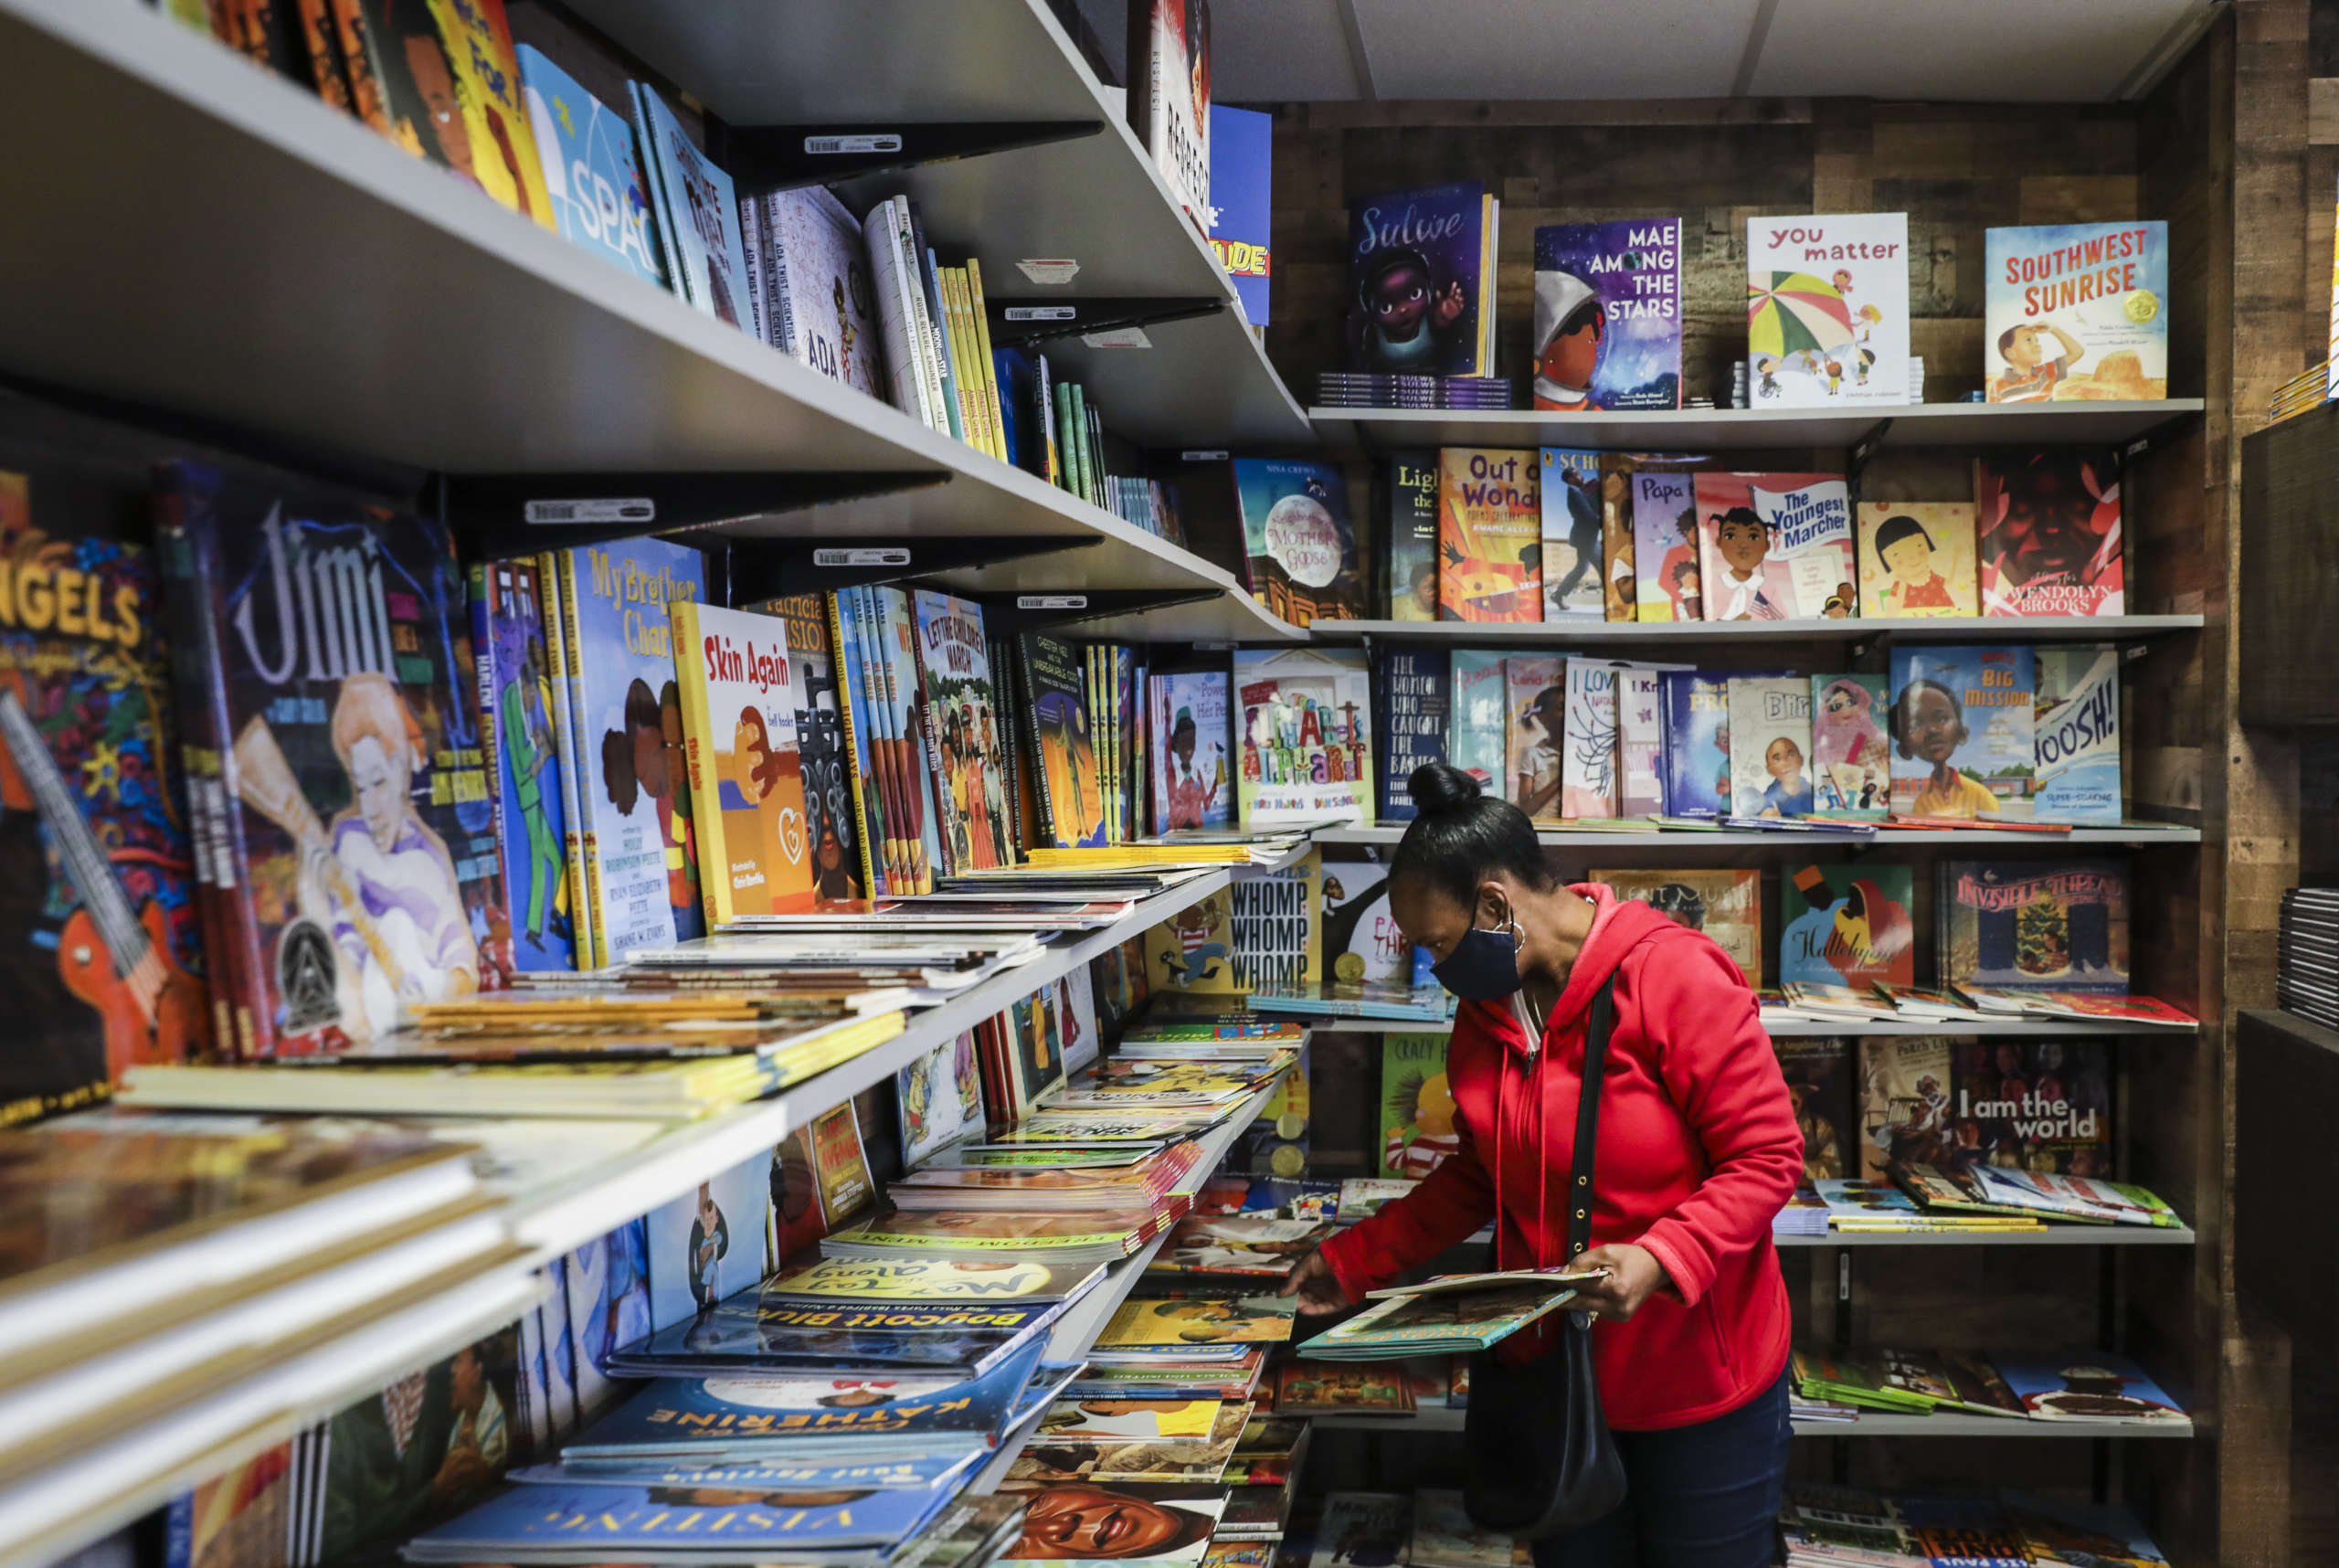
x=1477 y=734
x=1819 y=1072
x=1775 y=546
x=1535 y=699
x=1490 y=535
x=1362 y=940
x=444 y=83
x=1055 y=707
x=959 y=714
x=747 y=780
x=2042 y=1105
x=515 y=679
x=1169 y=82
x=1588 y=769
x=820 y=300
x=824 y=758
x=1697 y=743
x=1640 y=740
x=1608 y=315
x=1904 y=1104
x=1827 y=310
x=1242 y=182
x=2076 y=312
x=1417 y=1116
x=1962 y=727
x=592 y=183
x=698 y=212
x=1412 y=488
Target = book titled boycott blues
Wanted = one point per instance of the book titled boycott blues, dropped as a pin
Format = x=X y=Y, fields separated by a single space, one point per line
x=1417 y=692
x=1608 y=315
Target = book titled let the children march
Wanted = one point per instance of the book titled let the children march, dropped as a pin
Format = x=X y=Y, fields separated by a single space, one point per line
x=1608 y=315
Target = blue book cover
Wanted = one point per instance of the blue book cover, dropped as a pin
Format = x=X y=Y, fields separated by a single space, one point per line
x=1242 y=182
x=1608 y=315
x=1479 y=718
x=599 y=1522
x=698 y=214
x=598 y=197
x=1416 y=693
x=755 y=1330
x=2076 y=730
x=1417 y=268
x=2074 y=311
x=2086 y=1386
x=1697 y=743
x=515 y=713
x=1300 y=548
x=805 y=1473
x=708 y=1243
x=1962 y=731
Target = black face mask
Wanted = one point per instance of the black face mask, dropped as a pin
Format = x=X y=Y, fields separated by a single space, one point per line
x=1483 y=964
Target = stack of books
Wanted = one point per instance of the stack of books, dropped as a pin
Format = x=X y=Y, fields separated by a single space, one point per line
x=1842 y=1527
x=2310 y=388
x=1358 y=389
x=1968 y=1197
x=1455 y=1314
x=2306 y=972
x=2074 y=1385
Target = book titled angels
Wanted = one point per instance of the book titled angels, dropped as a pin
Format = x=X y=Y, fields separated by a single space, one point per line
x=1307 y=722
x=1827 y=310
x=1775 y=546
x=2075 y=312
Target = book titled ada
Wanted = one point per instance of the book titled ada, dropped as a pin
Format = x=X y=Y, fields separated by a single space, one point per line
x=1827 y=310
x=1608 y=315
x=1307 y=717
x=746 y=782
x=1775 y=546
x=2075 y=311
x=1301 y=555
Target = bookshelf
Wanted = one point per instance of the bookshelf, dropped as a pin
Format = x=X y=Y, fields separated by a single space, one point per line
x=1800 y=1028
x=1965 y=426
x=1871 y=1424
x=1760 y=634
x=1389 y=834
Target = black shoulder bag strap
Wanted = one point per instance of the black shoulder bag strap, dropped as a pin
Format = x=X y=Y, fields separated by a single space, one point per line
x=1541 y=1459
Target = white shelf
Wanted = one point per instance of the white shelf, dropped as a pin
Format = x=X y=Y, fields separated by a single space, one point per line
x=1797 y=1028
x=1798 y=842
x=1871 y=1424
x=1097 y=200
x=323 y=286
x=1744 y=430
x=1588 y=631
x=2053 y=1235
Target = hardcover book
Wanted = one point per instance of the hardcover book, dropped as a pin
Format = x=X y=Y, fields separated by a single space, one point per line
x=960 y=705
x=1963 y=728
x=640 y=851
x=1697 y=743
x=1414 y=493
x=1640 y=740
x=1819 y=1082
x=1588 y=769
x=1479 y=731
x=1301 y=558
x=1421 y=300
x=839 y=1165
x=1242 y=183
x=638 y=1520
x=1169 y=97
x=746 y=782
x=2086 y=1386
x=446 y=82
x=1570 y=483
x=2048 y=533
x=1851 y=765
x=2076 y=312
x=2076 y=731
x=1904 y=1104
x=1665 y=546
x=1180 y=1516
x=2034 y=924
x=1618 y=591
x=2042 y=1105
x=1608 y=315
x=1416 y=693
x=515 y=677
x=1490 y=535
x=1191 y=787
x=593 y=184
x=1775 y=546
x=1310 y=1387
x=1417 y=1126
x=1770 y=746
x=1535 y=701
x=698 y=213
x=1361 y=941
x=1827 y=310
x=819 y=285
x=1849 y=926
x=334 y=664
x=1917 y=559
x=1055 y=692
x=1725 y=904
x=940 y=1099
x=1306 y=718
x=822 y=748
x=708 y=1244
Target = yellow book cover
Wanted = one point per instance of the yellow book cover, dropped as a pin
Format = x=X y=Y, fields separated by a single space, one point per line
x=1126 y=1420
x=1241 y=1320
x=496 y=145
x=1490 y=534
x=1917 y=559
x=739 y=715
x=1725 y=904
x=931 y=1279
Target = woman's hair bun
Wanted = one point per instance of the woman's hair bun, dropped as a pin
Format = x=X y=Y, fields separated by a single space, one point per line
x=1439 y=787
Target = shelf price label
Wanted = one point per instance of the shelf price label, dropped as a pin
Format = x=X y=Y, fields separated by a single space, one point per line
x=592 y=509
x=1052 y=601
x=835 y=146
x=1043 y=313
x=864 y=555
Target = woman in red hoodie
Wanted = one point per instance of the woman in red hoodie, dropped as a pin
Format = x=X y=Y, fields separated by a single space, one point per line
x=1697 y=1149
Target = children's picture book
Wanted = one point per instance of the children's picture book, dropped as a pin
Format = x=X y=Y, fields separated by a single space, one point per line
x=2076 y=312
x=1963 y=728
x=1055 y=705
x=331 y=662
x=1770 y=746
x=1361 y=941
x=1917 y=559
x=963 y=730
x=1570 y=483
x=1478 y=731
x=1819 y=1072
x=1490 y=534
x=1827 y=310
x=2048 y=533
x=2042 y=1105
x=1904 y=1104
x=516 y=721
x=698 y=213
x=1412 y=488
x=1306 y=1387
x=1169 y=79
x=1640 y=740
x=1664 y=547
x=1417 y=1129
x=1608 y=315
x=839 y=1165
x=1060 y=1521
x=1536 y=700
x=1267 y=927
x=1697 y=743
x=595 y=187
x=1307 y=727
x=1373 y=1527
x=1173 y=1323
x=818 y=698
x=2086 y=1386
x=1241 y=185
x=1300 y=557
x=821 y=293
x=1775 y=546
x=2076 y=730
x=1725 y=904
x=708 y=1243
x=940 y=1099
x=1421 y=269
x=1192 y=787
x=1445 y=1536
x=641 y=849
x=1588 y=768
x=1618 y=591
x=1849 y=926
x=1124 y=1420
x=746 y=782
x=443 y=82
x=1415 y=700
x=1851 y=762
x=2034 y=924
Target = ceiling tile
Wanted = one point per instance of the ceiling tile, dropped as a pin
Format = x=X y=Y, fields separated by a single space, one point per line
x=1535 y=49
x=2057 y=51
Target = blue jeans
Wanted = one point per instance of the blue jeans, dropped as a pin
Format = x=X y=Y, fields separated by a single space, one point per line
x=1705 y=1495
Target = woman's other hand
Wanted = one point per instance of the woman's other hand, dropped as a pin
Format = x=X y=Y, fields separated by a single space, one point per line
x=1317 y=1288
x=1634 y=1276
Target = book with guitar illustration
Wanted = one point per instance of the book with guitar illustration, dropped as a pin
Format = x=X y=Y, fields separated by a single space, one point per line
x=335 y=667
x=100 y=940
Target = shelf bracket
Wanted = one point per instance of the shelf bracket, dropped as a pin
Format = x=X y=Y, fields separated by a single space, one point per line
x=1865 y=449
x=769 y=568
x=1016 y=323
x=1044 y=611
x=766 y=158
x=519 y=514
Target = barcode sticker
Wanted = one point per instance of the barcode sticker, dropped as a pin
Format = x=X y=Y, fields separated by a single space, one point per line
x=880 y=556
x=1191 y=455
x=875 y=142
x=1052 y=601
x=597 y=509
x=1043 y=313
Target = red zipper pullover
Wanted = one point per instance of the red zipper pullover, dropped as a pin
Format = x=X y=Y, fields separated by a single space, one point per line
x=1698 y=1151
